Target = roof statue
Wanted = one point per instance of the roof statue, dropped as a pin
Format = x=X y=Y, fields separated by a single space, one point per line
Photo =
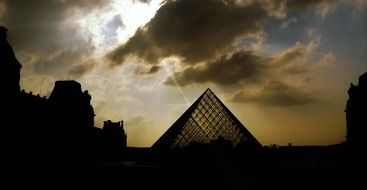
x=205 y=121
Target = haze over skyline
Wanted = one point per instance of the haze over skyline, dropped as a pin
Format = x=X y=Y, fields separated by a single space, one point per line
x=282 y=67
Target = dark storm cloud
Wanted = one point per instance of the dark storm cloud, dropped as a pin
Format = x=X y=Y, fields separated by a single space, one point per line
x=36 y=25
x=246 y=66
x=282 y=7
x=38 y=28
x=153 y=70
x=292 y=60
x=277 y=93
x=242 y=65
x=321 y=7
x=79 y=70
x=304 y=4
x=202 y=31
x=193 y=30
x=196 y=31
x=60 y=61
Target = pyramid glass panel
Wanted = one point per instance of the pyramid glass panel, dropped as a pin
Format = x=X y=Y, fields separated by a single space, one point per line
x=207 y=120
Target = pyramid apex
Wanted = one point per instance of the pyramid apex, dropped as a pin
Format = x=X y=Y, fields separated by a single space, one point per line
x=208 y=90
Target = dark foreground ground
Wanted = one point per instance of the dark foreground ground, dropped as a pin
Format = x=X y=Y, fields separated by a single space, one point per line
x=283 y=168
x=280 y=168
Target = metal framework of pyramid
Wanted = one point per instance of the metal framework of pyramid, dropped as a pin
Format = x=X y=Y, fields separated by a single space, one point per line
x=206 y=120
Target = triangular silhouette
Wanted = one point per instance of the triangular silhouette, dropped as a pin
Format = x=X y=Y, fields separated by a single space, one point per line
x=207 y=120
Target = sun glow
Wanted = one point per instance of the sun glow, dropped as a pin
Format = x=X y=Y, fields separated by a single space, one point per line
x=116 y=23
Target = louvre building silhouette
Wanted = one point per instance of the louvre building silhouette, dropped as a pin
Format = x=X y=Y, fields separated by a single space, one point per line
x=56 y=129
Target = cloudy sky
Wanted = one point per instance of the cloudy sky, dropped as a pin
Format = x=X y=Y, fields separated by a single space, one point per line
x=282 y=66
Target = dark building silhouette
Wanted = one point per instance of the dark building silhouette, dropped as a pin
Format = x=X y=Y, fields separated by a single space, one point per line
x=206 y=121
x=72 y=104
x=114 y=138
x=73 y=119
x=59 y=129
x=10 y=67
x=356 y=113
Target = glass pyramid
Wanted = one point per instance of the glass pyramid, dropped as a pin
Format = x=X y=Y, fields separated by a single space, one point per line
x=206 y=120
